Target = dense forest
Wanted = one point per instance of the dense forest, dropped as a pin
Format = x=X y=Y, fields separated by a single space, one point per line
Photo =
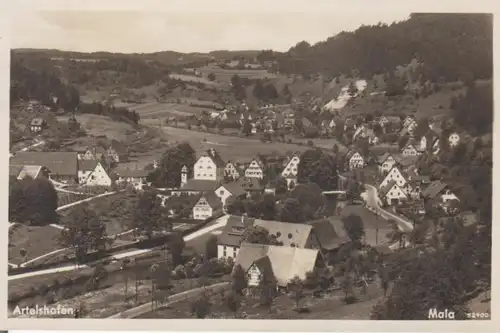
x=451 y=46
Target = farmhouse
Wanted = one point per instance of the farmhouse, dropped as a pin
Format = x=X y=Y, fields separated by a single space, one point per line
x=254 y=170
x=135 y=177
x=284 y=262
x=207 y=205
x=93 y=173
x=63 y=166
x=392 y=193
x=354 y=160
x=409 y=150
x=209 y=166
x=385 y=162
x=231 y=171
x=229 y=190
x=232 y=235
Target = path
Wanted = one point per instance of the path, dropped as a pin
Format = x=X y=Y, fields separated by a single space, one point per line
x=220 y=223
x=147 y=307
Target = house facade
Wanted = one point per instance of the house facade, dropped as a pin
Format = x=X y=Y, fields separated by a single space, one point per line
x=229 y=190
x=385 y=163
x=207 y=205
x=393 y=194
x=231 y=171
x=290 y=170
x=454 y=139
x=394 y=175
x=409 y=150
x=354 y=160
x=209 y=167
x=93 y=173
x=37 y=125
x=63 y=166
x=254 y=170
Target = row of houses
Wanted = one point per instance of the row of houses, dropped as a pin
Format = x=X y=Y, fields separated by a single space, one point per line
x=216 y=181
x=403 y=183
x=86 y=168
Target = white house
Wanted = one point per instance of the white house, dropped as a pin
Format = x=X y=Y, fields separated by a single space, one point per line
x=360 y=132
x=209 y=166
x=229 y=241
x=410 y=150
x=393 y=194
x=254 y=170
x=386 y=162
x=448 y=196
x=408 y=120
x=454 y=139
x=354 y=160
x=383 y=121
x=229 y=190
x=135 y=177
x=231 y=171
x=37 y=125
x=207 y=205
x=291 y=169
x=93 y=173
x=394 y=175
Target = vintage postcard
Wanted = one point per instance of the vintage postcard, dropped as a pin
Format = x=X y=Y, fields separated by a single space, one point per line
x=249 y=166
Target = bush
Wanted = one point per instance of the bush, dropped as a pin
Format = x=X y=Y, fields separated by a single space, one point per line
x=43 y=289
x=180 y=272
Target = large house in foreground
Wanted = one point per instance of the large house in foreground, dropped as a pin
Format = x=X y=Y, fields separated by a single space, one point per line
x=63 y=166
x=283 y=263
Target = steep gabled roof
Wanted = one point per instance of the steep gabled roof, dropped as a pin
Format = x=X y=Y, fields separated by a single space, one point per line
x=87 y=165
x=383 y=191
x=214 y=155
x=232 y=234
x=330 y=232
x=287 y=262
x=234 y=188
x=290 y=234
x=434 y=188
x=59 y=163
x=200 y=185
x=212 y=199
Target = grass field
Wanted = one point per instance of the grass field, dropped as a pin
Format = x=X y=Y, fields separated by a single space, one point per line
x=99 y=125
x=229 y=147
x=35 y=240
x=225 y=75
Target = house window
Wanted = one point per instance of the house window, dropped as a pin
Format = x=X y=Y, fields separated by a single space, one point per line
x=221 y=192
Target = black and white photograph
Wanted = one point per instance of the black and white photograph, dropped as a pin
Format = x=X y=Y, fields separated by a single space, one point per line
x=250 y=166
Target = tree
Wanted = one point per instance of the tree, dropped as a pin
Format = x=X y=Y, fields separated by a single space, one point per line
x=267 y=207
x=319 y=168
x=239 y=280
x=84 y=232
x=310 y=197
x=354 y=227
x=258 y=235
x=233 y=302
x=176 y=246
x=267 y=289
x=23 y=253
x=291 y=211
x=211 y=247
x=296 y=286
x=201 y=306
x=211 y=76
x=148 y=215
x=281 y=186
x=403 y=141
x=33 y=200
x=247 y=127
x=168 y=173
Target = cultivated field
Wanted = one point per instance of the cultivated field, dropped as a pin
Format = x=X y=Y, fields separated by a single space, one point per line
x=229 y=147
x=99 y=125
x=225 y=75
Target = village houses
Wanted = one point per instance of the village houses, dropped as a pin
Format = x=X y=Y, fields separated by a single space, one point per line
x=290 y=169
x=354 y=160
x=254 y=169
x=93 y=173
x=385 y=163
x=208 y=205
x=231 y=171
x=209 y=167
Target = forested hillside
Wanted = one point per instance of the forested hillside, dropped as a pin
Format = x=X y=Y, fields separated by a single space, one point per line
x=451 y=46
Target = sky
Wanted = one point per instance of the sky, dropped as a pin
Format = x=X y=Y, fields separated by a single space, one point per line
x=150 y=31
